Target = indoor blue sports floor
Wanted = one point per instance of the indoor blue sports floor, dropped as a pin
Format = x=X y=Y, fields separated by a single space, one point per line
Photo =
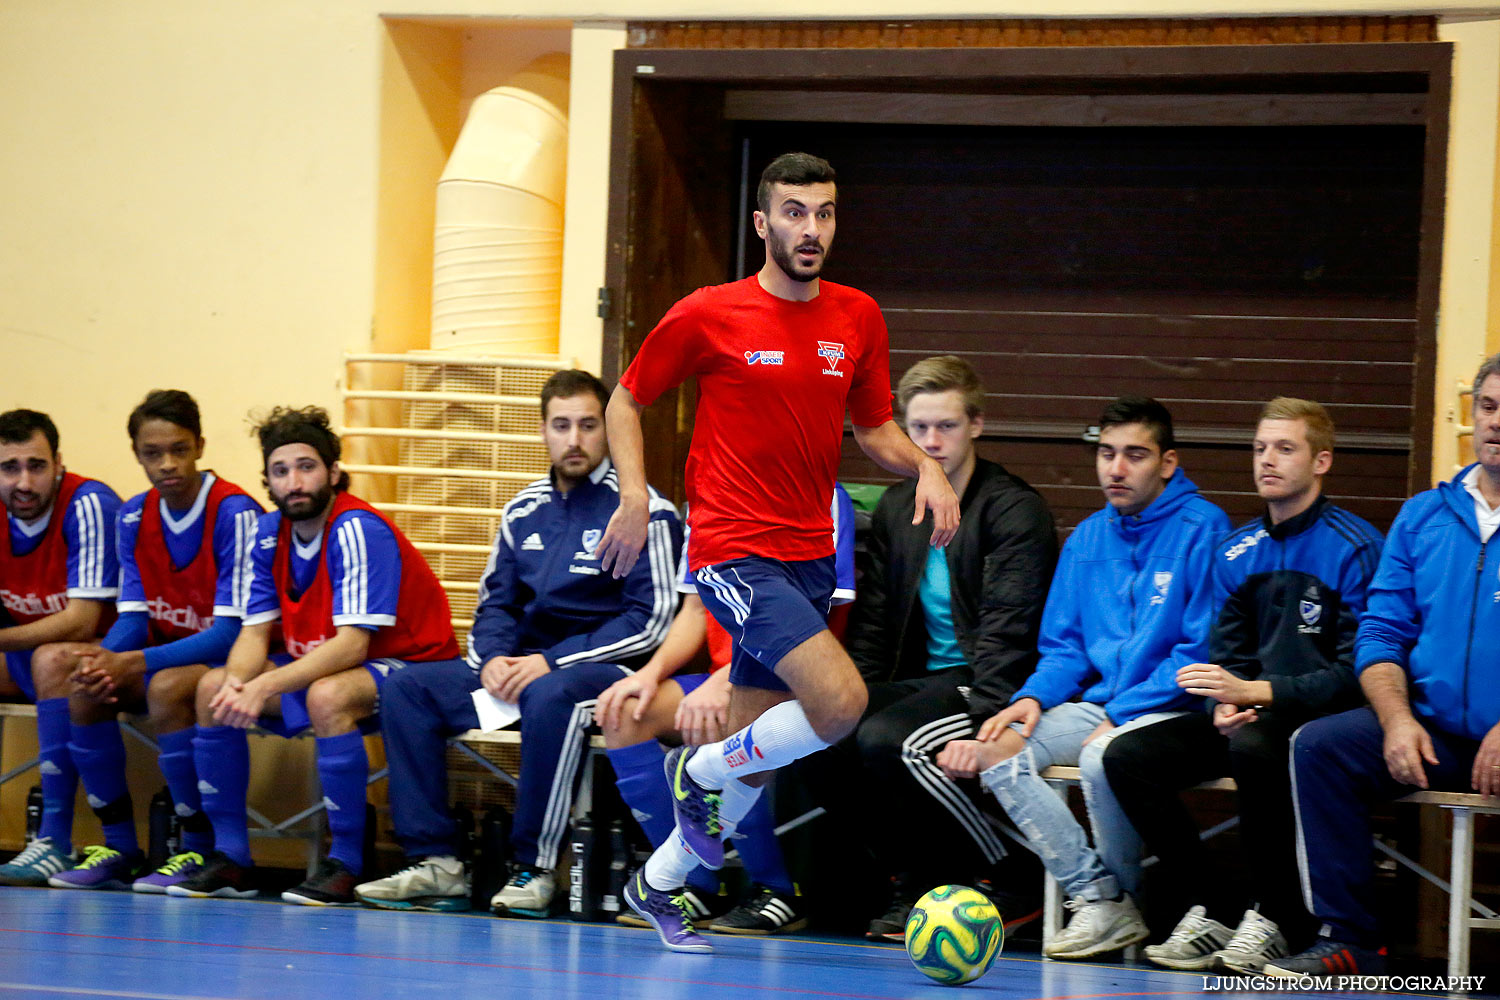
x=56 y=943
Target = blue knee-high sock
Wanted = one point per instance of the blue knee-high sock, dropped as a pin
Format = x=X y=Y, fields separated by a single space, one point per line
x=343 y=768
x=759 y=848
x=59 y=776
x=99 y=754
x=643 y=786
x=221 y=755
x=177 y=767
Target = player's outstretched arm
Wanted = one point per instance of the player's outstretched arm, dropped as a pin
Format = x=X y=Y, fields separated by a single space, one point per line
x=893 y=450
x=625 y=535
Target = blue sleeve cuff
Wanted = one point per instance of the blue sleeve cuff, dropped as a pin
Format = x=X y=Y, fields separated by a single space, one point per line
x=129 y=632
x=209 y=647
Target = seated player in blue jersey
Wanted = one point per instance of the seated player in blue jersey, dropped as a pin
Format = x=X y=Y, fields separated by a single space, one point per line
x=1290 y=587
x=639 y=711
x=356 y=603
x=184 y=548
x=58 y=581
x=1131 y=603
x=551 y=632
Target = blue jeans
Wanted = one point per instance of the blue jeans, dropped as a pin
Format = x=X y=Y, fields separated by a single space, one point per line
x=1044 y=817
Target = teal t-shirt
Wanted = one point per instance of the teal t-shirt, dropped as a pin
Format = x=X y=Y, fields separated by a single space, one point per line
x=937 y=606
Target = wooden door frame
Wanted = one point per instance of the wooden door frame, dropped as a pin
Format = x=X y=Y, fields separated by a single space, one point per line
x=1292 y=69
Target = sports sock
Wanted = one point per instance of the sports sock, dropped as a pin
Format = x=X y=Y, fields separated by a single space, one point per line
x=343 y=768
x=781 y=735
x=757 y=844
x=99 y=754
x=670 y=864
x=176 y=763
x=221 y=755
x=59 y=776
x=643 y=786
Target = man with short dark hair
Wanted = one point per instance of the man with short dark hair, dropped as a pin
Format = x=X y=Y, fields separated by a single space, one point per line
x=58 y=580
x=779 y=357
x=1130 y=605
x=551 y=632
x=1289 y=586
x=944 y=638
x=185 y=552
x=356 y=603
x=1427 y=660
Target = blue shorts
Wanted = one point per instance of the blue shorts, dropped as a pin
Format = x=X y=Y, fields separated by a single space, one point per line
x=294 y=718
x=18 y=665
x=769 y=608
x=690 y=682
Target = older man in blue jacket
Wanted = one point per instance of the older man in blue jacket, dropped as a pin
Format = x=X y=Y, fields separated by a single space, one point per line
x=1428 y=662
x=1131 y=603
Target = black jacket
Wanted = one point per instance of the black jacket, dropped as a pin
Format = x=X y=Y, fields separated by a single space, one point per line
x=1000 y=564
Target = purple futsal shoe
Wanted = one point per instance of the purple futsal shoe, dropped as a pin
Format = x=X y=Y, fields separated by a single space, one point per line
x=696 y=809
x=667 y=912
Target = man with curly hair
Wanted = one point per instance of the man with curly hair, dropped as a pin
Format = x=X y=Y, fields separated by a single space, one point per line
x=355 y=601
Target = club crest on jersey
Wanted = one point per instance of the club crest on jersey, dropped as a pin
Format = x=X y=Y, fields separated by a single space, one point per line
x=764 y=357
x=1161 y=581
x=833 y=354
x=1311 y=610
x=591 y=538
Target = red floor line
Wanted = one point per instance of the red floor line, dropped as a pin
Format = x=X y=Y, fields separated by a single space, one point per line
x=476 y=965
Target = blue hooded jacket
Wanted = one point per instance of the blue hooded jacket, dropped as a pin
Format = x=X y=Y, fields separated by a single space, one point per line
x=1434 y=609
x=1131 y=602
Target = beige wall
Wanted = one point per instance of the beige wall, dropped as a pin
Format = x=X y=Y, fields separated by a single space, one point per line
x=219 y=195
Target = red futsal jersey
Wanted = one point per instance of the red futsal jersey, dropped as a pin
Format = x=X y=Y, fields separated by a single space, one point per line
x=774 y=380
x=35 y=585
x=179 y=599
x=423 y=630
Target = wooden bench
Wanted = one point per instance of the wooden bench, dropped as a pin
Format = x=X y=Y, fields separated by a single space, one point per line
x=1461 y=904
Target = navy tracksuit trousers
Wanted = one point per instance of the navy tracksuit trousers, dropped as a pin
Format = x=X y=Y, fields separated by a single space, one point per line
x=1338 y=775
x=421 y=708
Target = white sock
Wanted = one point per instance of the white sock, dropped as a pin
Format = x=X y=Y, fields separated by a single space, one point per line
x=670 y=864
x=781 y=735
x=736 y=800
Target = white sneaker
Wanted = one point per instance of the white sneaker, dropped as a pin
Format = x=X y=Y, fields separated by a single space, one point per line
x=1098 y=926
x=1193 y=944
x=528 y=893
x=433 y=883
x=1256 y=941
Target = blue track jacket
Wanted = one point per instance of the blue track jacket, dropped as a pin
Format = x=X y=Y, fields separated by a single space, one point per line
x=1434 y=608
x=1131 y=602
x=544 y=592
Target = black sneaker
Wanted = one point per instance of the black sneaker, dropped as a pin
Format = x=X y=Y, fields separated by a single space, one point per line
x=1327 y=958
x=1016 y=909
x=767 y=911
x=703 y=907
x=891 y=926
x=331 y=885
x=220 y=877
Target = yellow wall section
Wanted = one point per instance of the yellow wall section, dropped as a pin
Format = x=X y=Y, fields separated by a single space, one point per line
x=226 y=196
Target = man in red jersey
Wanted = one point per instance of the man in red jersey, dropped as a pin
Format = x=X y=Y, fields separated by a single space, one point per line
x=184 y=550
x=58 y=581
x=779 y=357
x=355 y=601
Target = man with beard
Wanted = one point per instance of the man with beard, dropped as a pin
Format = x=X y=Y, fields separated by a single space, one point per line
x=355 y=602
x=551 y=632
x=779 y=356
x=184 y=549
x=58 y=578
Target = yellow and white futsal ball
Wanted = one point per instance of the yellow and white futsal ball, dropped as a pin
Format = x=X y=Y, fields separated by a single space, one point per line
x=954 y=934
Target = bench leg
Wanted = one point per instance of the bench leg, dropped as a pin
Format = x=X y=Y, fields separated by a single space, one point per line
x=1052 y=897
x=1462 y=878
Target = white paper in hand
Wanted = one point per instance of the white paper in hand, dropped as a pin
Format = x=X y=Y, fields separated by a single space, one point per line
x=493 y=713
